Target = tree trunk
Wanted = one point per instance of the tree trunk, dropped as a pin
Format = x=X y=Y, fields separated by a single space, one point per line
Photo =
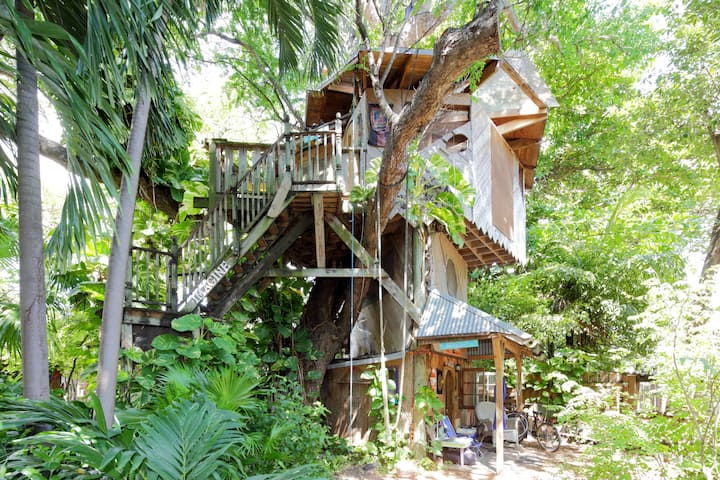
x=108 y=357
x=455 y=51
x=713 y=253
x=326 y=318
x=36 y=383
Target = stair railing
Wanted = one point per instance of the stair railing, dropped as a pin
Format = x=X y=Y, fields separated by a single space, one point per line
x=152 y=278
x=244 y=179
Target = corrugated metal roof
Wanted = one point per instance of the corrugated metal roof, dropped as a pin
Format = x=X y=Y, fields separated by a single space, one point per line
x=447 y=317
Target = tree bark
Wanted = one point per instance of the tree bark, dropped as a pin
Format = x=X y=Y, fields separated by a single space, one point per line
x=326 y=318
x=455 y=52
x=36 y=382
x=326 y=314
x=108 y=357
x=713 y=253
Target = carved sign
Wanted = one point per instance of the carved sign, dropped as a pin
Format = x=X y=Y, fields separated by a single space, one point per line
x=208 y=284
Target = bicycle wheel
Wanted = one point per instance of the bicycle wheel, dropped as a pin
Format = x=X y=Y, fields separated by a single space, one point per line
x=548 y=436
x=521 y=423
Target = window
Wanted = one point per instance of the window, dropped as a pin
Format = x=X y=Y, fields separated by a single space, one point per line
x=477 y=386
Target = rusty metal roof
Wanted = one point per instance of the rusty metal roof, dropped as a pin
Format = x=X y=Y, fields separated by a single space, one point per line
x=447 y=317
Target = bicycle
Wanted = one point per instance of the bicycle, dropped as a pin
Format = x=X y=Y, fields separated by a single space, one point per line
x=546 y=434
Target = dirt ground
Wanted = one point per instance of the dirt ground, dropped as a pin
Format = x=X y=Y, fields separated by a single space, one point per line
x=524 y=462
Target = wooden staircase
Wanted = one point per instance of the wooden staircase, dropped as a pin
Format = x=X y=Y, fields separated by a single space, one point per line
x=249 y=225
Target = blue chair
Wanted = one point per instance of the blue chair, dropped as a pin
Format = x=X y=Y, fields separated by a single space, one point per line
x=448 y=438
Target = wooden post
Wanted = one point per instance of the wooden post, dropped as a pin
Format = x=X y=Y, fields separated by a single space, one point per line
x=318 y=211
x=214 y=175
x=340 y=172
x=129 y=280
x=418 y=261
x=289 y=147
x=172 y=299
x=518 y=387
x=498 y=343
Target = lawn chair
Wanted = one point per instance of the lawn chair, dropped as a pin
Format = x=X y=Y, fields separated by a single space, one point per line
x=447 y=437
x=485 y=413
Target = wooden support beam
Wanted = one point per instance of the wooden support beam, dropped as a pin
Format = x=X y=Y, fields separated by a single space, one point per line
x=388 y=283
x=520 y=81
x=347 y=238
x=519 y=400
x=318 y=213
x=514 y=125
x=240 y=287
x=322 y=272
x=498 y=343
x=278 y=204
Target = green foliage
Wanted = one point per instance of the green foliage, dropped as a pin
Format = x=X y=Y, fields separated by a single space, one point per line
x=437 y=191
x=619 y=192
x=203 y=416
x=558 y=379
x=273 y=318
x=293 y=432
x=685 y=319
x=191 y=440
x=273 y=49
x=428 y=403
x=388 y=447
x=174 y=362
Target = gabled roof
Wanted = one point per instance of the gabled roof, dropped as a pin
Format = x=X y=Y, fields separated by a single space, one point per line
x=445 y=318
x=409 y=66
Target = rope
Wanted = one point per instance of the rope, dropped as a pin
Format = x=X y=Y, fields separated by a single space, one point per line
x=352 y=281
x=352 y=314
x=401 y=380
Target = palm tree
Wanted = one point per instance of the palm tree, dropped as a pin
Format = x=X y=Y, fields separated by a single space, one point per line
x=36 y=383
x=179 y=25
x=47 y=58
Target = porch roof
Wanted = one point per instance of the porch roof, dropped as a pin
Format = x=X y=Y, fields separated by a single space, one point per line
x=445 y=318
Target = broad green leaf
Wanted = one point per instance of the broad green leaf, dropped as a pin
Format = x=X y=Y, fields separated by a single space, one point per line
x=187 y=323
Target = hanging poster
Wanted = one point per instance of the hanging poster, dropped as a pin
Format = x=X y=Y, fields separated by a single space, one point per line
x=378 y=126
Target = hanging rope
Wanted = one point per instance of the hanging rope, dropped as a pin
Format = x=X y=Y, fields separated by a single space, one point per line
x=352 y=315
x=401 y=380
x=383 y=363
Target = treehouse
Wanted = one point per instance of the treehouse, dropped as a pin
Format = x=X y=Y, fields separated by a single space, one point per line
x=288 y=204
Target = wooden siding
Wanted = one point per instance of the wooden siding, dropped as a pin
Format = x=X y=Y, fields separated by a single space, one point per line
x=441 y=252
x=476 y=165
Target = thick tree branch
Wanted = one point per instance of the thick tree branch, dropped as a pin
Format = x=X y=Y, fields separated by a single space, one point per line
x=455 y=51
x=713 y=254
x=159 y=196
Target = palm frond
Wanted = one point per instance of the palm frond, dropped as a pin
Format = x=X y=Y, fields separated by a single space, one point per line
x=304 y=472
x=189 y=440
x=10 y=340
x=289 y=21
x=233 y=390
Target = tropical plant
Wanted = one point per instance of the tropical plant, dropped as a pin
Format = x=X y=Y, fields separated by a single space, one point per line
x=430 y=406
x=389 y=445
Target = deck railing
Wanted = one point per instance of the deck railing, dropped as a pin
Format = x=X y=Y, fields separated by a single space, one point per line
x=152 y=279
x=243 y=182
